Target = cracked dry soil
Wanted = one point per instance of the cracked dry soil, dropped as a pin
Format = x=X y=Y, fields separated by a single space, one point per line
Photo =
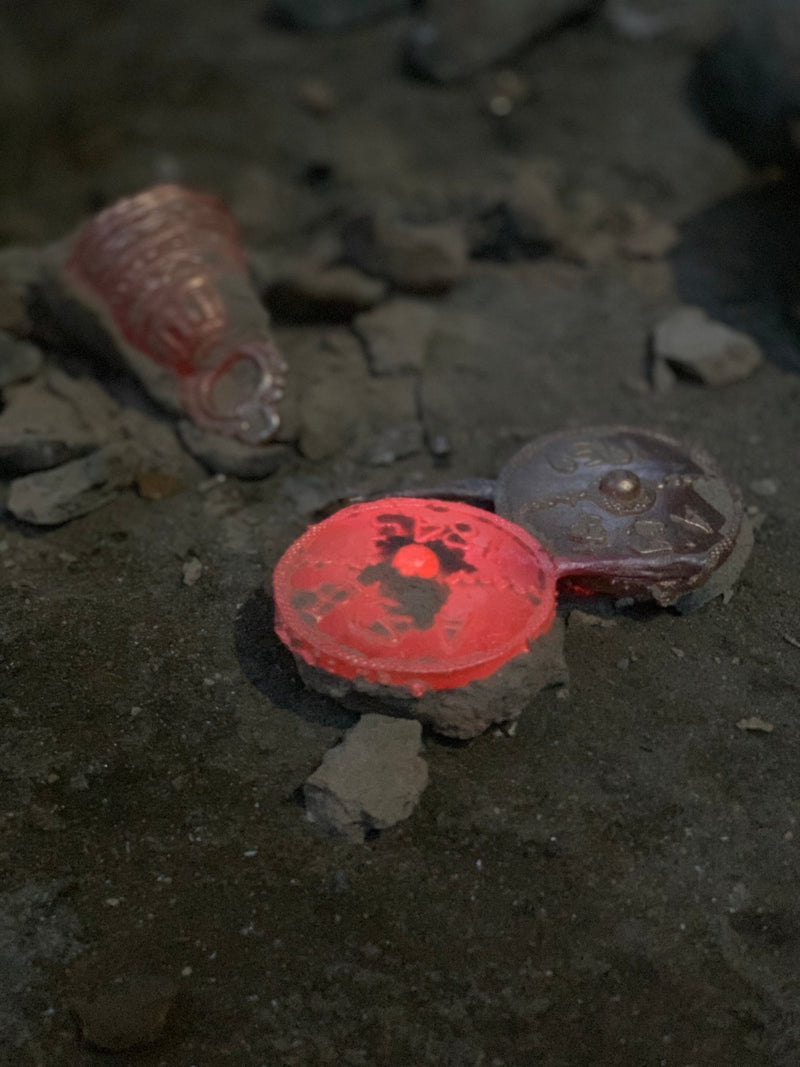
x=616 y=884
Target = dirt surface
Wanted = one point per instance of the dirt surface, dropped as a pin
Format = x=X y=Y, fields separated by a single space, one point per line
x=616 y=883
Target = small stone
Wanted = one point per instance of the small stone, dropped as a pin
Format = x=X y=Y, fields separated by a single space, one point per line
x=756 y=724
x=49 y=498
x=420 y=258
x=700 y=348
x=41 y=427
x=396 y=335
x=133 y=1015
x=226 y=456
x=19 y=360
x=191 y=570
x=312 y=292
x=371 y=781
x=157 y=485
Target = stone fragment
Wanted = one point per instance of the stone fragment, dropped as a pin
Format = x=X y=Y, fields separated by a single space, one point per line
x=396 y=335
x=313 y=292
x=40 y=429
x=133 y=1015
x=192 y=570
x=19 y=360
x=227 y=456
x=49 y=498
x=705 y=350
x=416 y=257
x=369 y=782
x=330 y=14
x=469 y=710
x=455 y=39
x=756 y=724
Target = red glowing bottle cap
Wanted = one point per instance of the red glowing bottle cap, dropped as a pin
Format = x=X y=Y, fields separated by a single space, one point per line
x=413 y=594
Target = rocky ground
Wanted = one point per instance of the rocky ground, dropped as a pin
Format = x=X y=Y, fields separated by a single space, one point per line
x=453 y=266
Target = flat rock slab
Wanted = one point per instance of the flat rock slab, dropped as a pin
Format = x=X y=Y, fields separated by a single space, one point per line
x=49 y=498
x=370 y=781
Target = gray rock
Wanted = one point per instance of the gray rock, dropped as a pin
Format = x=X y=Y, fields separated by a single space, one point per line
x=456 y=39
x=710 y=352
x=396 y=335
x=41 y=428
x=331 y=14
x=419 y=258
x=132 y=1014
x=223 y=455
x=313 y=292
x=371 y=781
x=19 y=360
x=52 y=497
x=469 y=710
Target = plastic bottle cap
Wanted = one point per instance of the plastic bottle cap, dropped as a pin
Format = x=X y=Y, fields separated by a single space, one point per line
x=413 y=594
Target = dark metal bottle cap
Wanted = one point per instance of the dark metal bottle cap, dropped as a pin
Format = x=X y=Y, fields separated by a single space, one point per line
x=624 y=511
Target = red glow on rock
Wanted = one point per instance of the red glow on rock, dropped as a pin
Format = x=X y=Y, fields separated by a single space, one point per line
x=412 y=594
x=416 y=561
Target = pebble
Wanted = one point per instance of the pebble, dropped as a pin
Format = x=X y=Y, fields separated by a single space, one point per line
x=415 y=257
x=312 y=292
x=192 y=569
x=455 y=39
x=396 y=335
x=52 y=497
x=132 y=1016
x=372 y=780
x=710 y=352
